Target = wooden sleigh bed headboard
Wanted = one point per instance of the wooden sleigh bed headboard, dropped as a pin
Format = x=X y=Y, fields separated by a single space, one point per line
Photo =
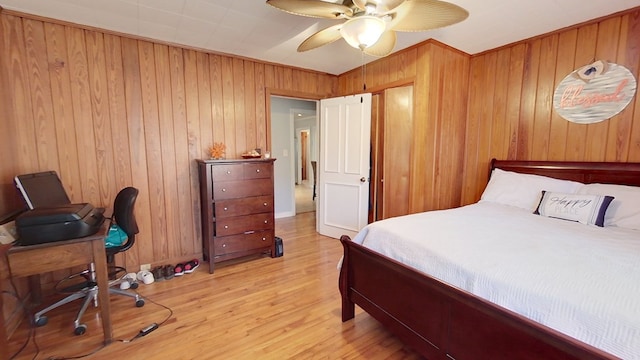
x=443 y=322
x=584 y=172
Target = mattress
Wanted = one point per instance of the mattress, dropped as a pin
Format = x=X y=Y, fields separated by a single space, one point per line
x=581 y=280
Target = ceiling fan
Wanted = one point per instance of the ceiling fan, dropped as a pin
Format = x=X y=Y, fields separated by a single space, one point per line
x=371 y=25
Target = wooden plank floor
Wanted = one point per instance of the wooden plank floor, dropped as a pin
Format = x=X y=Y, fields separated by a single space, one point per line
x=262 y=308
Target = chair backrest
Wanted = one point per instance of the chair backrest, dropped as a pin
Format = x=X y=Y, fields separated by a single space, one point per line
x=314 y=167
x=123 y=215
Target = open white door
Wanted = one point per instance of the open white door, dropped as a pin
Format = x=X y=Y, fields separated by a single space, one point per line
x=343 y=191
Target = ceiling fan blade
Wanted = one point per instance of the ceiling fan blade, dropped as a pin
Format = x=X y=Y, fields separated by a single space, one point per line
x=422 y=15
x=384 y=46
x=312 y=8
x=322 y=37
x=382 y=6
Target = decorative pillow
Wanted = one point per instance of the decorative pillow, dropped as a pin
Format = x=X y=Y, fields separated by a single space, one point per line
x=523 y=190
x=585 y=209
x=624 y=210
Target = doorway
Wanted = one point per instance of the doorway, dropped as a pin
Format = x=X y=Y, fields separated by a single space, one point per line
x=291 y=120
x=304 y=172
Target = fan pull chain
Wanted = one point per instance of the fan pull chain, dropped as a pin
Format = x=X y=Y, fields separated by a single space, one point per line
x=364 y=73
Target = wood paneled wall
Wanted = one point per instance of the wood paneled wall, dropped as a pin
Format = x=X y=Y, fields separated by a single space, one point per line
x=439 y=75
x=107 y=111
x=510 y=110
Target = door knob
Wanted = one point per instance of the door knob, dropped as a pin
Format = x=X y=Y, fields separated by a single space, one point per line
x=363 y=179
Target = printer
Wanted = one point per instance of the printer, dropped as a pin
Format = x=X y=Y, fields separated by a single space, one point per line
x=51 y=215
x=56 y=223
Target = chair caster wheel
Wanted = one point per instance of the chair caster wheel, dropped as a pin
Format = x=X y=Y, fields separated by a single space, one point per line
x=134 y=285
x=41 y=321
x=81 y=329
x=139 y=303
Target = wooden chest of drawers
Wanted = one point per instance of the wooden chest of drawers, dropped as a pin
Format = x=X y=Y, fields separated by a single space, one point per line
x=236 y=199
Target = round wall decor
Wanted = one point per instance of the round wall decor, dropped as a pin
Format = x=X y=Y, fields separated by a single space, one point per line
x=594 y=93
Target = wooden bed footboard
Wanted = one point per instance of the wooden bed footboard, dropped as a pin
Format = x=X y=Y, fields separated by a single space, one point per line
x=443 y=322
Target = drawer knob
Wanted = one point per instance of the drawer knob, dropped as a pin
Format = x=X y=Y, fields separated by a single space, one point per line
x=257 y=170
x=224 y=245
x=228 y=171
x=264 y=239
x=266 y=221
x=224 y=190
x=225 y=209
x=226 y=226
x=265 y=204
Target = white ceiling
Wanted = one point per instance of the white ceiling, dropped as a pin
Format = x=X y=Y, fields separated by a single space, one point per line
x=252 y=29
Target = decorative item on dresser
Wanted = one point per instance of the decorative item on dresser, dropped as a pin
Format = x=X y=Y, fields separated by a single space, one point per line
x=237 y=212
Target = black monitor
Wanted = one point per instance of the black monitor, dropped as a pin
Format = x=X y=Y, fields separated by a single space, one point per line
x=42 y=189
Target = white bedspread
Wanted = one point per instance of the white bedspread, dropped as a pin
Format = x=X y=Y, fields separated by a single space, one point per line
x=581 y=280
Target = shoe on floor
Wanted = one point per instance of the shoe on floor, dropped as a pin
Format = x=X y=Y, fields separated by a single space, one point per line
x=191 y=266
x=169 y=271
x=178 y=270
x=158 y=273
x=146 y=277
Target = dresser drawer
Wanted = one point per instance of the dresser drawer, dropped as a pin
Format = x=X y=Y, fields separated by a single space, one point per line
x=243 y=188
x=244 y=242
x=244 y=206
x=257 y=171
x=244 y=224
x=227 y=172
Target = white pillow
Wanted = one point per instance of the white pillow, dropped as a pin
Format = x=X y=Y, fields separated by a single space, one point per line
x=523 y=190
x=624 y=210
x=583 y=208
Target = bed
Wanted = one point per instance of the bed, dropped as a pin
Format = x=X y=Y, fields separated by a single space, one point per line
x=461 y=313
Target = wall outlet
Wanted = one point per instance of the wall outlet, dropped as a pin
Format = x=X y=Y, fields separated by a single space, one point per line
x=145 y=267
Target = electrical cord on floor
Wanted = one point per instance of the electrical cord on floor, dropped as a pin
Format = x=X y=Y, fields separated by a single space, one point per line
x=21 y=307
x=32 y=327
x=27 y=313
x=77 y=356
x=143 y=332
x=153 y=326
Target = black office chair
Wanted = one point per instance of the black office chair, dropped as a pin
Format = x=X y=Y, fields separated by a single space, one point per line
x=123 y=216
x=314 y=167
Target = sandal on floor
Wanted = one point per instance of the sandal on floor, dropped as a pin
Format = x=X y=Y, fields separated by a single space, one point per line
x=179 y=270
x=191 y=266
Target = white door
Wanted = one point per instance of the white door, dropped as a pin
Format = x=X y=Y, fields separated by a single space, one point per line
x=343 y=191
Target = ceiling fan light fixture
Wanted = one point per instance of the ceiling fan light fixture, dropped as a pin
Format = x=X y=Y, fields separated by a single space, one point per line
x=370 y=8
x=362 y=31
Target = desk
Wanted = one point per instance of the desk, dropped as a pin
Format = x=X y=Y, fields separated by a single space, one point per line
x=42 y=258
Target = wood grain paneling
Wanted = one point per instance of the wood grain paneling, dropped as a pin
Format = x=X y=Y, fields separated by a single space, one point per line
x=398 y=125
x=439 y=75
x=107 y=111
x=534 y=70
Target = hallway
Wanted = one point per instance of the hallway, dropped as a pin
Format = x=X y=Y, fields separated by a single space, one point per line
x=304 y=197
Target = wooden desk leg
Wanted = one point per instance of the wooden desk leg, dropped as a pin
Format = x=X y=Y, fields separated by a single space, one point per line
x=100 y=261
